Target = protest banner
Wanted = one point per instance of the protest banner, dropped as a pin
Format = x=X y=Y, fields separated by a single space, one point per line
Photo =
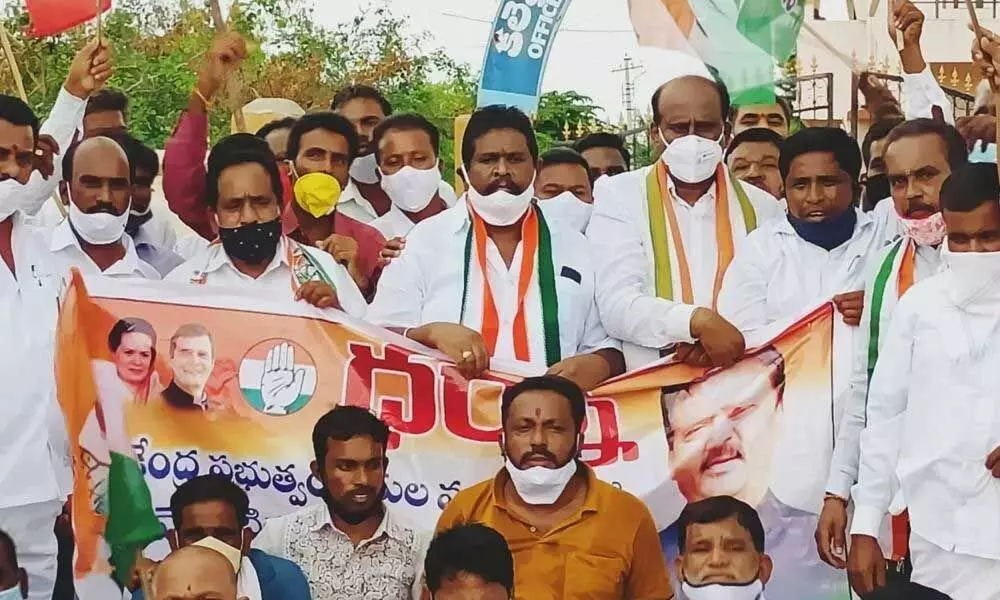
x=206 y=381
x=520 y=41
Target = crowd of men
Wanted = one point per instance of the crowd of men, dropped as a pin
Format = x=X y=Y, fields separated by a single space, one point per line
x=569 y=260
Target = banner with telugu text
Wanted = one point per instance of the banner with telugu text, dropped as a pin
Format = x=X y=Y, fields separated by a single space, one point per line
x=267 y=369
x=520 y=41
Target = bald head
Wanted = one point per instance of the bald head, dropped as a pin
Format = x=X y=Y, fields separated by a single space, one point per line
x=690 y=105
x=194 y=573
x=98 y=175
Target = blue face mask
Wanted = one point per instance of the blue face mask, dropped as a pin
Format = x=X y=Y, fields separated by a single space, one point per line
x=982 y=153
x=826 y=234
x=13 y=593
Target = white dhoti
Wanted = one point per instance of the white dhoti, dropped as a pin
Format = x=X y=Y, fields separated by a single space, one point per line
x=30 y=527
x=961 y=576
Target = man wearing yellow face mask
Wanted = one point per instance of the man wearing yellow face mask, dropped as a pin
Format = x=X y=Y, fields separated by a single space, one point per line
x=321 y=148
x=243 y=188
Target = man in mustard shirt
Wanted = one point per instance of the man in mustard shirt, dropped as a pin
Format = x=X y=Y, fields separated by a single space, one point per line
x=572 y=535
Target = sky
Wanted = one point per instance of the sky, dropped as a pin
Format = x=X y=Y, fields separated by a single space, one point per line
x=594 y=39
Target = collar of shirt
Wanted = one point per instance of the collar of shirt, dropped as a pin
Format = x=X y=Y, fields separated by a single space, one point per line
x=591 y=504
x=219 y=259
x=705 y=204
x=352 y=194
x=320 y=519
x=63 y=238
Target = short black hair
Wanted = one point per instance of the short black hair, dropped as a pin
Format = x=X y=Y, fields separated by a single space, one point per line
x=720 y=508
x=490 y=118
x=129 y=325
x=107 y=100
x=878 y=131
x=346 y=422
x=822 y=139
x=8 y=543
x=407 y=122
x=209 y=487
x=16 y=112
x=754 y=134
x=327 y=121
x=547 y=383
x=239 y=149
x=906 y=591
x=713 y=78
x=141 y=156
x=562 y=155
x=603 y=139
x=268 y=128
x=783 y=103
x=969 y=187
x=351 y=92
x=958 y=153
x=119 y=137
x=471 y=548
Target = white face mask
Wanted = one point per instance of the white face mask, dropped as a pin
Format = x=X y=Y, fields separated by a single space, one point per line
x=692 y=158
x=718 y=591
x=540 y=485
x=412 y=189
x=567 y=209
x=233 y=555
x=365 y=169
x=99 y=229
x=500 y=208
x=13 y=593
x=974 y=273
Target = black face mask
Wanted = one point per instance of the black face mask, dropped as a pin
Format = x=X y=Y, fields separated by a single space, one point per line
x=136 y=221
x=876 y=190
x=253 y=243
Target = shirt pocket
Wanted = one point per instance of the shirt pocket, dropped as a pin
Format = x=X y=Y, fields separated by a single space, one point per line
x=592 y=577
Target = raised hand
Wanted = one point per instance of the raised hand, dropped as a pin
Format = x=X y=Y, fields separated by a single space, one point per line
x=281 y=383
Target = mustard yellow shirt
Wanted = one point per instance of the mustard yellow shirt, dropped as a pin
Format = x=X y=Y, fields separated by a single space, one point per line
x=609 y=550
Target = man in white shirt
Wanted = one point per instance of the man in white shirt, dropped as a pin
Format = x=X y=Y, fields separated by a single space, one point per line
x=406 y=147
x=563 y=188
x=941 y=346
x=152 y=232
x=921 y=94
x=364 y=199
x=919 y=156
x=352 y=545
x=491 y=277
x=97 y=191
x=662 y=237
x=34 y=452
x=243 y=189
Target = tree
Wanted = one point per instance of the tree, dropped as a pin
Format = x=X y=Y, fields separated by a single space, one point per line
x=159 y=45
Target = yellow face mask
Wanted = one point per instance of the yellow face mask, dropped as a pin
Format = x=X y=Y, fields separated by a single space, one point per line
x=317 y=193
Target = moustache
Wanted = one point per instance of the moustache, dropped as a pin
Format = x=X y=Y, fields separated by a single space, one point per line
x=102 y=207
x=719 y=454
x=543 y=454
x=504 y=183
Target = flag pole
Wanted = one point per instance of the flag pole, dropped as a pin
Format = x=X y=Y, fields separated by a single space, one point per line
x=234 y=83
x=14 y=69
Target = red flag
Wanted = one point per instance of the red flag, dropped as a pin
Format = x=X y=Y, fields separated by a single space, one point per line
x=52 y=17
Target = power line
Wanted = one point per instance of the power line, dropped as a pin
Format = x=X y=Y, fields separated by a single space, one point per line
x=561 y=29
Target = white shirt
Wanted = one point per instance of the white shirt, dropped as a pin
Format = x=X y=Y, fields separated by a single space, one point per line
x=622 y=250
x=424 y=285
x=387 y=566
x=921 y=92
x=777 y=276
x=354 y=205
x=65 y=118
x=34 y=450
x=393 y=224
x=846 y=450
x=67 y=254
x=933 y=417
x=212 y=266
